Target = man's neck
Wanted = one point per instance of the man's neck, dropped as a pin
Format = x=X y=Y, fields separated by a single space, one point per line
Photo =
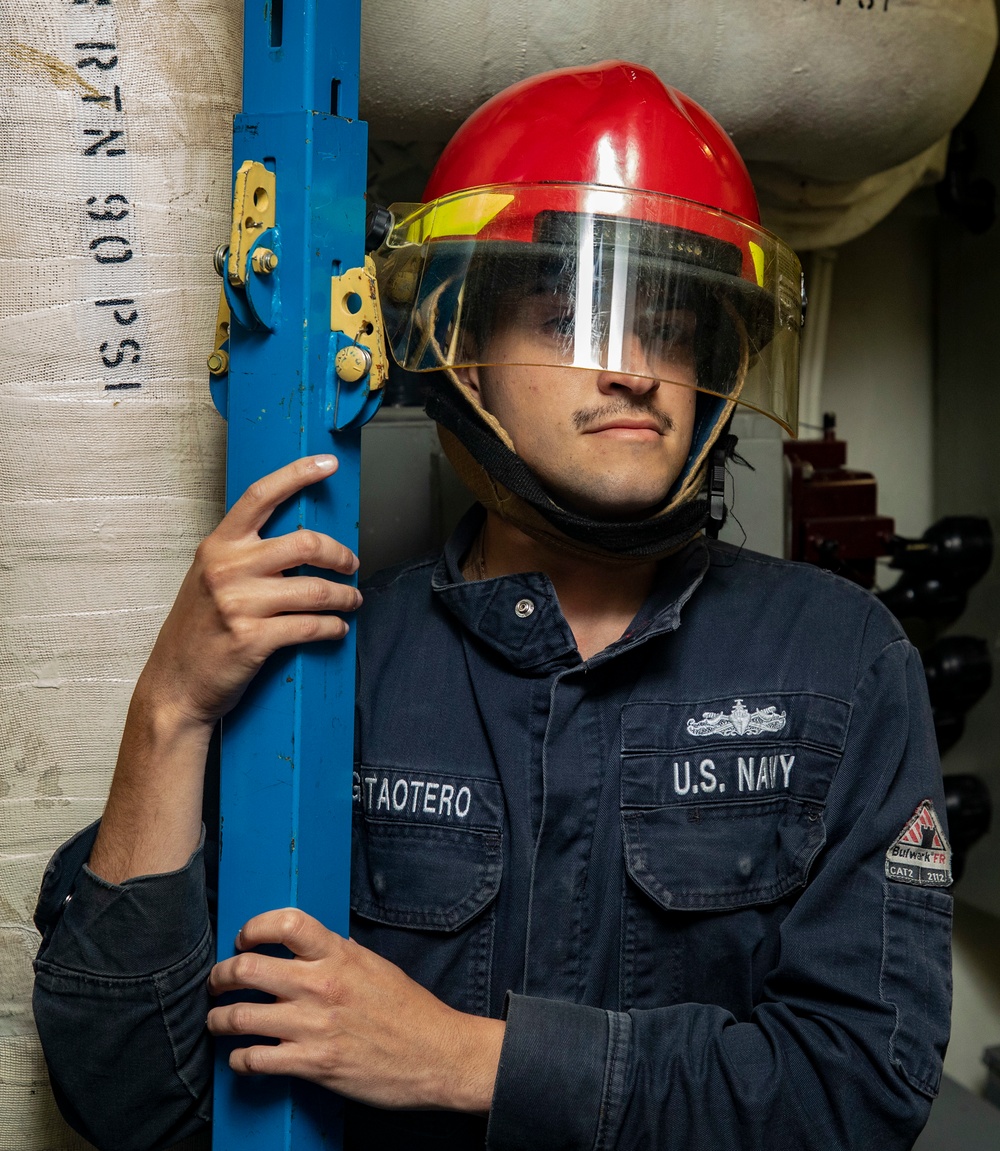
x=598 y=599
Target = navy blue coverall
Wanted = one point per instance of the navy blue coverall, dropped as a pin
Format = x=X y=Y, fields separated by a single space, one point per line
x=679 y=869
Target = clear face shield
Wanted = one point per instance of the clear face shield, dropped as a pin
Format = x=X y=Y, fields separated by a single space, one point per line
x=577 y=276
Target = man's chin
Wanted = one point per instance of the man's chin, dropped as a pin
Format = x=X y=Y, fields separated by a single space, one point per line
x=607 y=507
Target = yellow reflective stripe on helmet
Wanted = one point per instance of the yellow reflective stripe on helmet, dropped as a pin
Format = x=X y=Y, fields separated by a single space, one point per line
x=757 y=252
x=461 y=216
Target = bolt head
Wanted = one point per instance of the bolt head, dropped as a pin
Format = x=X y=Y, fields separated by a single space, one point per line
x=353 y=363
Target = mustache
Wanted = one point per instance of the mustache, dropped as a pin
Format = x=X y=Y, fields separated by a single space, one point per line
x=584 y=418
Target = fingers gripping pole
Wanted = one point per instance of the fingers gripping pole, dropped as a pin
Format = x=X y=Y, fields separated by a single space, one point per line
x=287 y=750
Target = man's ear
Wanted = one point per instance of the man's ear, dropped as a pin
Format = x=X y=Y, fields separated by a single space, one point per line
x=469 y=378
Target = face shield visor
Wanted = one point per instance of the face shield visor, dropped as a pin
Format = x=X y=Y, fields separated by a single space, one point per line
x=580 y=276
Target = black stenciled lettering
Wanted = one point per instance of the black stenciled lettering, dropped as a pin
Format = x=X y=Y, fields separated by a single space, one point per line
x=105 y=64
x=105 y=99
x=96 y=3
x=116 y=304
x=106 y=139
x=110 y=255
x=122 y=387
x=123 y=346
x=109 y=213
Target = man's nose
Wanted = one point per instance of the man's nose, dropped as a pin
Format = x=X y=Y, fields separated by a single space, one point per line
x=631 y=372
x=614 y=382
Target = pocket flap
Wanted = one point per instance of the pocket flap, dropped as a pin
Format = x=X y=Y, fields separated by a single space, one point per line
x=418 y=875
x=724 y=855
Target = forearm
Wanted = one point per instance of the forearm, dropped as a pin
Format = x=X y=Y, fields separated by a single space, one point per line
x=152 y=821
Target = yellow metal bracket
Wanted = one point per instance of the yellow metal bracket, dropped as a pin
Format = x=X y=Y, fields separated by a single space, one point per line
x=253 y=214
x=355 y=311
x=218 y=361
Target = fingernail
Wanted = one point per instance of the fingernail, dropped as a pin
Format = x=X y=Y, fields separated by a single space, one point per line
x=359 y=598
x=324 y=463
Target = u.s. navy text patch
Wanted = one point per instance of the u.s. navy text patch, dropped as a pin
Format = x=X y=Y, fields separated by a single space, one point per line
x=920 y=854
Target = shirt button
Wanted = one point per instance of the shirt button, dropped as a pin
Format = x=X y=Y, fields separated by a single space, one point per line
x=523 y=608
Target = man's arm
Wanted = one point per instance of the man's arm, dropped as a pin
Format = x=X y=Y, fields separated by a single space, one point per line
x=120 y=997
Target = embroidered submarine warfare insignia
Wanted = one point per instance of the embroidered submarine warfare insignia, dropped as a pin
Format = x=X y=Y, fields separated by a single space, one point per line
x=740 y=721
x=921 y=854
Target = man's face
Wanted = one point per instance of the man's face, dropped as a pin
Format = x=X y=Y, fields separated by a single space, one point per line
x=603 y=443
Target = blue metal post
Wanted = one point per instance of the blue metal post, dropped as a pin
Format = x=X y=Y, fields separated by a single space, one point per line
x=287 y=751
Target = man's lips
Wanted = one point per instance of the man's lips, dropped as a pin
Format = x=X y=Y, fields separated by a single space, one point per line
x=623 y=418
x=626 y=424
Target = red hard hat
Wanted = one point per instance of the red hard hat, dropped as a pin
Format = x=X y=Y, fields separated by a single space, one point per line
x=612 y=123
x=622 y=202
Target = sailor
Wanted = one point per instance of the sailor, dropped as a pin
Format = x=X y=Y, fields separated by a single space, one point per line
x=648 y=830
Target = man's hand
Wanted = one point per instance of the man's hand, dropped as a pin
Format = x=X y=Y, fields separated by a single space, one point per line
x=236 y=606
x=351 y=1021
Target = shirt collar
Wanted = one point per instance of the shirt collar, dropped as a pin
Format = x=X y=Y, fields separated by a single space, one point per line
x=519 y=615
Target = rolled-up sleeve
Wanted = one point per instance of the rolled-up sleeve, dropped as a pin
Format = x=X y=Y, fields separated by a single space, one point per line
x=120 y=999
x=844 y=1048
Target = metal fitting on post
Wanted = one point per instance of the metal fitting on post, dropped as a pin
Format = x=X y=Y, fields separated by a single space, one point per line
x=263 y=261
x=218 y=362
x=219 y=259
x=353 y=363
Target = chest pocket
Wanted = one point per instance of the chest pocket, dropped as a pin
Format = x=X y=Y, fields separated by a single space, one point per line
x=426 y=865
x=722 y=816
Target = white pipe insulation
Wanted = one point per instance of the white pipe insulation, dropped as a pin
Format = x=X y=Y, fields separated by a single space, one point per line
x=115 y=185
x=837 y=106
x=114 y=182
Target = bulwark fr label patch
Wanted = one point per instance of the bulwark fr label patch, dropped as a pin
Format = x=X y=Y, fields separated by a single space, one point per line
x=921 y=854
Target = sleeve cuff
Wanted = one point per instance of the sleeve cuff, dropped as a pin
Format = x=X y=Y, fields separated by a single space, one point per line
x=143 y=925
x=561 y=1072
